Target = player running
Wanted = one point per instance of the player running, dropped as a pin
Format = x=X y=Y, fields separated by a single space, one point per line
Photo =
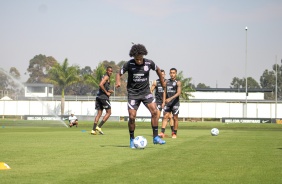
x=103 y=101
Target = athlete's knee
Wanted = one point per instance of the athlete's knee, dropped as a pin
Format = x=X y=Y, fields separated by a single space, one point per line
x=154 y=112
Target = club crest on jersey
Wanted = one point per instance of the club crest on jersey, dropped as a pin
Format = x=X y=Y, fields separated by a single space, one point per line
x=146 y=68
x=174 y=83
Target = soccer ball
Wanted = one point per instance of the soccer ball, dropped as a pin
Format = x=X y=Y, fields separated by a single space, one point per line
x=140 y=142
x=214 y=132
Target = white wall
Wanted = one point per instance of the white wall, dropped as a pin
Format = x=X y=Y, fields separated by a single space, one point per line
x=191 y=109
x=227 y=95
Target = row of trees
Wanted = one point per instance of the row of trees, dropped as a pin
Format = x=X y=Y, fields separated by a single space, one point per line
x=86 y=82
x=73 y=80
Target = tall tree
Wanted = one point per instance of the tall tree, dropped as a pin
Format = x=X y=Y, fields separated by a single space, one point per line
x=63 y=76
x=186 y=85
x=38 y=68
x=268 y=80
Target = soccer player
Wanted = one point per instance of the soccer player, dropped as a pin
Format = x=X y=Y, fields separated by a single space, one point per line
x=157 y=87
x=138 y=89
x=172 y=93
x=73 y=120
x=103 y=101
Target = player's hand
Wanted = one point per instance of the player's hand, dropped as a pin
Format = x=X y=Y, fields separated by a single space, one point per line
x=108 y=93
x=111 y=91
x=117 y=84
x=167 y=100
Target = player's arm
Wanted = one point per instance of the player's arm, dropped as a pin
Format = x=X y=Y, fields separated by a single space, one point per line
x=153 y=86
x=159 y=73
x=120 y=73
x=176 y=94
x=102 y=83
x=164 y=96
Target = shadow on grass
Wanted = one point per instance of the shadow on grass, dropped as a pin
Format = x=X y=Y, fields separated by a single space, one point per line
x=121 y=146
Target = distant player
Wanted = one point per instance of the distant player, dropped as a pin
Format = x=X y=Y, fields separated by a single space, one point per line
x=138 y=89
x=73 y=120
x=103 y=101
x=159 y=92
x=172 y=93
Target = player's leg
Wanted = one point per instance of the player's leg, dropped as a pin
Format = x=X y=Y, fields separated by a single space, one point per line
x=175 y=119
x=171 y=123
x=107 y=107
x=154 y=122
x=76 y=123
x=98 y=115
x=164 y=123
x=175 y=113
x=132 y=107
x=131 y=126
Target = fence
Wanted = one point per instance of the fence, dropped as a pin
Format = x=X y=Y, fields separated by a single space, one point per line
x=212 y=109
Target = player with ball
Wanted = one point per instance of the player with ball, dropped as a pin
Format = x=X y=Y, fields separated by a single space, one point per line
x=138 y=89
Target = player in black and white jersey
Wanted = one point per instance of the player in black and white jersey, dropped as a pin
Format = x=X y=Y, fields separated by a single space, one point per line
x=103 y=101
x=172 y=93
x=138 y=89
x=159 y=92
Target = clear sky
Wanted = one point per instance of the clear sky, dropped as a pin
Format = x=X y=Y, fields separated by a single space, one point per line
x=205 y=39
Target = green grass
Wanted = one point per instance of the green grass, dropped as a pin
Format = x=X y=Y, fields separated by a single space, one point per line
x=47 y=152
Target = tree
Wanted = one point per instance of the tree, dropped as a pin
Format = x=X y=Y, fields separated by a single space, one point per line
x=63 y=76
x=38 y=68
x=186 y=86
x=81 y=88
x=9 y=83
x=236 y=83
x=241 y=83
x=202 y=85
x=94 y=78
x=268 y=81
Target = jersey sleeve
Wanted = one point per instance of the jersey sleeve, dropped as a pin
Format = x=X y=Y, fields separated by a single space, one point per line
x=153 y=65
x=124 y=68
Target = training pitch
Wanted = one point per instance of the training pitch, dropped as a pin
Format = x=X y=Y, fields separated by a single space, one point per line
x=48 y=152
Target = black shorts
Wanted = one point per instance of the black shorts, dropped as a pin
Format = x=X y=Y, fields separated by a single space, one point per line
x=102 y=104
x=134 y=102
x=159 y=106
x=172 y=108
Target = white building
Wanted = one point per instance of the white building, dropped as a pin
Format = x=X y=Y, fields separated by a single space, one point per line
x=38 y=90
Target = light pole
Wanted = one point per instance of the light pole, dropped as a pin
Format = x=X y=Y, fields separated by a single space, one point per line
x=276 y=87
x=246 y=110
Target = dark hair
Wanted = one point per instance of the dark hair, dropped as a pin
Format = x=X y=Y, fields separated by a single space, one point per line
x=138 y=49
x=173 y=69
x=162 y=71
x=109 y=67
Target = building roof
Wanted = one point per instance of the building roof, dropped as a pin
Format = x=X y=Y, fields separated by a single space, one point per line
x=38 y=85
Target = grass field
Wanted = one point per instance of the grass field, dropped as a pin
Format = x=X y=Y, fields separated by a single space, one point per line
x=47 y=152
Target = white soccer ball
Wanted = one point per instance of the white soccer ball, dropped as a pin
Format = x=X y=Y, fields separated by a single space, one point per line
x=140 y=142
x=214 y=132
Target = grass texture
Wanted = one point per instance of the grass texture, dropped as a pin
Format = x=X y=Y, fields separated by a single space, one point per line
x=48 y=152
